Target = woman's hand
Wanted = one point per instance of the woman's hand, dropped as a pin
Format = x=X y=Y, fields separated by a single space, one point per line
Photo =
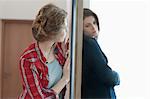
x=65 y=79
x=66 y=70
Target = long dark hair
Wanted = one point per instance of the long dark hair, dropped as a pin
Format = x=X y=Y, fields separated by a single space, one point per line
x=87 y=12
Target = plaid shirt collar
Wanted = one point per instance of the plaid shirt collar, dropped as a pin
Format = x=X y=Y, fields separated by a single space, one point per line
x=59 y=51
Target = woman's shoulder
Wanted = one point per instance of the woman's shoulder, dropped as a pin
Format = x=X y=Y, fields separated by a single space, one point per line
x=88 y=41
x=28 y=51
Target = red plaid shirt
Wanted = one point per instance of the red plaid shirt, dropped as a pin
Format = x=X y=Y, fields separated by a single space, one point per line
x=34 y=72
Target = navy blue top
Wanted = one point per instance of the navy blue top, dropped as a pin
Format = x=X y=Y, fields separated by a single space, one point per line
x=98 y=79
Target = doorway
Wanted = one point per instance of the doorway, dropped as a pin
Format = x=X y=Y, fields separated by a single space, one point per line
x=16 y=36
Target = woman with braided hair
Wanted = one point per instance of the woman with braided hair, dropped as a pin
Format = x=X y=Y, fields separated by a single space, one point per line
x=44 y=65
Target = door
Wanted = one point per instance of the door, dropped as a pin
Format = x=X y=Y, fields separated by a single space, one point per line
x=16 y=37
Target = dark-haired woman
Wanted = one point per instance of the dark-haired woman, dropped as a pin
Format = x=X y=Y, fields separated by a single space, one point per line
x=98 y=79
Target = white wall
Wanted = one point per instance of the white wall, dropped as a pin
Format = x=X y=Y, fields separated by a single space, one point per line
x=24 y=9
x=27 y=9
x=125 y=39
x=86 y=3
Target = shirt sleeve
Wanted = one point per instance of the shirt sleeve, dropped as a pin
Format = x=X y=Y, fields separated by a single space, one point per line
x=31 y=81
x=98 y=64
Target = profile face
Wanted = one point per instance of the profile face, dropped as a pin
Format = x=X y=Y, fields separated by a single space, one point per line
x=63 y=32
x=90 y=27
x=62 y=35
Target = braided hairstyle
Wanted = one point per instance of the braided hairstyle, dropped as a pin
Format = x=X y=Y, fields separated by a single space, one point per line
x=48 y=23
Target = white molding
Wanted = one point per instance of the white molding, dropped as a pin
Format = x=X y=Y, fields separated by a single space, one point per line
x=86 y=3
